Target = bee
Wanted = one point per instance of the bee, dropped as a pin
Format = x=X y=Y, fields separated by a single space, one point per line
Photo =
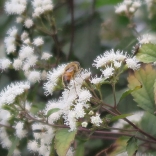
x=70 y=71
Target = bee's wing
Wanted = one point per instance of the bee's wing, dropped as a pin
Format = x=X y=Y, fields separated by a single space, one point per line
x=70 y=69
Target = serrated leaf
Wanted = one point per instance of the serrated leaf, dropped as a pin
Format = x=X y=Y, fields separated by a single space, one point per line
x=80 y=148
x=131 y=146
x=148 y=124
x=63 y=140
x=147 y=53
x=129 y=92
x=144 y=96
x=114 y=118
x=51 y=111
x=13 y=147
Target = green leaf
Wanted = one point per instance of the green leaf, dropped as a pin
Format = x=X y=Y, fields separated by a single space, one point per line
x=13 y=147
x=148 y=124
x=155 y=92
x=131 y=146
x=80 y=148
x=63 y=140
x=114 y=118
x=144 y=96
x=147 y=53
x=51 y=111
x=100 y=3
x=129 y=92
x=52 y=149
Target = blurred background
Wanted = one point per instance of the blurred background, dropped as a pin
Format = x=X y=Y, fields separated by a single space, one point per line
x=92 y=26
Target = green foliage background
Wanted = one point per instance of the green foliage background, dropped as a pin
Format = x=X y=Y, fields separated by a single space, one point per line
x=96 y=28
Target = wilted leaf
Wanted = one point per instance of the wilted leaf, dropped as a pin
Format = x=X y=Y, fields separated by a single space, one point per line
x=144 y=96
x=63 y=140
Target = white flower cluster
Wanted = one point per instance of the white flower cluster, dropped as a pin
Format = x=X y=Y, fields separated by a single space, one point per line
x=20 y=132
x=41 y=6
x=27 y=58
x=127 y=7
x=8 y=95
x=15 y=6
x=96 y=120
x=73 y=102
x=42 y=140
x=4 y=63
x=10 y=40
x=147 y=38
x=53 y=78
x=111 y=61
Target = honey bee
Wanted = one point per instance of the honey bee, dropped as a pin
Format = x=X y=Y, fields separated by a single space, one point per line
x=69 y=72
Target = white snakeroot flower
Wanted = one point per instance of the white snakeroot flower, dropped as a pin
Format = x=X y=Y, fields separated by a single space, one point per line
x=19 y=20
x=24 y=36
x=38 y=41
x=33 y=146
x=4 y=116
x=109 y=57
x=17 y=64
x=136 y=4
x=25 y=52
x=96 y=80
x=96 y=120
x=91 y=113
x=79 y=111
x=84 y=124
x=133 y=63
x=12 y=32
x=20 y=132
x=27 y=41
x=84 y=96
x=32 y=60
x=132 y=9
x=120 y=8
x=5 y=63
x=52 y=79
x=146 y=38
x=15 y=6
x=28 y=23
x=117 y=64
x=4 y=138
x=46 y=56
x=108 y=72
x=8 y=95
x=127 y=2
x=70 y=120
x=40 y=7
x=34 y=76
